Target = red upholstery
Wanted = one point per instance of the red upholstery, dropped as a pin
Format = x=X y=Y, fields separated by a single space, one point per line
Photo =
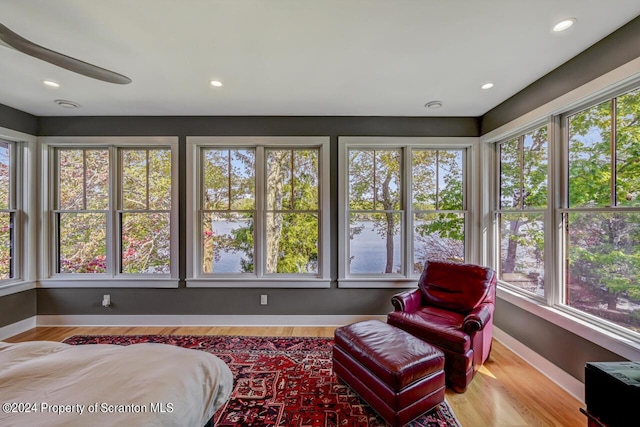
x=453 y=310
x=398 y=375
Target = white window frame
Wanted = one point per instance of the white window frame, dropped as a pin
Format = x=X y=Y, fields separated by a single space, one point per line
x=112 y=278
x=563 y=209
x=471 y=199
x=595 y=330
x=23 y=163
x=259 y=278
x=549 y=226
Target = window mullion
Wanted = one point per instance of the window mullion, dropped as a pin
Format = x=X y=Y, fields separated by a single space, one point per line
x=114 y=221
x=437 y=180
x=406 y=207
x=148 y=170
x=229 y=172
x=291 y=202
x=84 y=179
x=521 y=160
x=613 y=198
x=556 y=195
x=56 y=220
x=375 y=190
x=13 y=173
x=259 y=233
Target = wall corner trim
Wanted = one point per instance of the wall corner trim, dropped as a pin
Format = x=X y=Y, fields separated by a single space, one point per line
x=564 y=380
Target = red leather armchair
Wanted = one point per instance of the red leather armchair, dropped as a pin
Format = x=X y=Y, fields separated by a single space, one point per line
x=452 y=309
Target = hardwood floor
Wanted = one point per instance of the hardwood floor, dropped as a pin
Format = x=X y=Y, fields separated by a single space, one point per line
x=505 y=392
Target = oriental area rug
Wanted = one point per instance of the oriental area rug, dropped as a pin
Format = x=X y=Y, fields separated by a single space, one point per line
x=280 y=382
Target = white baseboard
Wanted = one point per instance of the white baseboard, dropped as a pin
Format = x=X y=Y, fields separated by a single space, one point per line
x=566 y=381
x=202 y=320
x=18 y=327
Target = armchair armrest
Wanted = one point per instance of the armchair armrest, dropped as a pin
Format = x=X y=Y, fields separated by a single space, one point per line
x=407 y=301
x=478 y=318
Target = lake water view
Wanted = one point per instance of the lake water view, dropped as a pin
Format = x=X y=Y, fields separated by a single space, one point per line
x=367 y=250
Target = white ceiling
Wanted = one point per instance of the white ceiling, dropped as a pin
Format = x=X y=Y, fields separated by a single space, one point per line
x=295 y=57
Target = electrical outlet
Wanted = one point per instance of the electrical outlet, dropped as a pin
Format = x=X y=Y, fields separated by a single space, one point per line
x=106 y=300
x=263 y=300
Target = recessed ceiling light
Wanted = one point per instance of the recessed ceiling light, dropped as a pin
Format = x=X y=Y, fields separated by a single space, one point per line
x=433 y=105
x=216 y=83
x=66 y=104
x=564 y=25
x=487 y=86
x=51 y=83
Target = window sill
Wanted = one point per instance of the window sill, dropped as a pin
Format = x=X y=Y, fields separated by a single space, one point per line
x=620 y=345
x=291 y=283
x=377 y=282
x=87 y=282
x=9 y=288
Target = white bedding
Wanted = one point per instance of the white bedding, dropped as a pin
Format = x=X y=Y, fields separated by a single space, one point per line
x=136 y=385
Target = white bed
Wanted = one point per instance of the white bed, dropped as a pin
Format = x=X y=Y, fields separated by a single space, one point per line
x=136 y=385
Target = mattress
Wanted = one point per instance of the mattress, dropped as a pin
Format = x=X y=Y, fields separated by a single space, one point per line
x=46 y=383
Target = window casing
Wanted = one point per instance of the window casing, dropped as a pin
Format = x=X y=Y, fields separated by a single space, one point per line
x=403 y=201
x=112 y=211
x=260 y=211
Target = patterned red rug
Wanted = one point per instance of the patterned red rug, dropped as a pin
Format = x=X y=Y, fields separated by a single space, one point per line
x=280 y=382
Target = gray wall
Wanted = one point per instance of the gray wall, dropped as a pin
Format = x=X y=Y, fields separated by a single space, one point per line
x=216 y=301
x=333 y=301
x=17 y=120
x=562 y=348
x=17 y=307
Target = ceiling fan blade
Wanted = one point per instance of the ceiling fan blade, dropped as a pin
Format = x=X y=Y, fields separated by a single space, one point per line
x=28 y=47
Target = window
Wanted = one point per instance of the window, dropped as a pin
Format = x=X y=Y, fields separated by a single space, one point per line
x=112 y=210
x=82 y=210
x=8 y=210
x=145 y=215
x=438 y=197
x=375 y=213
x=227 y=210
x=567 y=219
x=404 y=204
x=292 y=211
x=522 y=204
x=261 y=209
x=601 y=221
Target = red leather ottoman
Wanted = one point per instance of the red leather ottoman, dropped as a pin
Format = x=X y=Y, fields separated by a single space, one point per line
x=398 y=375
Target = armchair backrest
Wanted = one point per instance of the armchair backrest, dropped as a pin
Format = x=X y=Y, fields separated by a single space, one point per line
x=456 y=287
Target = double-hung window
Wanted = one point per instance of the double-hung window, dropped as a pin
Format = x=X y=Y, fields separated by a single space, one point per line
x=403 y=202
x=113 y=210
x=259 y=211
x=521 y=211
x=567 y=214
x=600 y=212
x=82 y=210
